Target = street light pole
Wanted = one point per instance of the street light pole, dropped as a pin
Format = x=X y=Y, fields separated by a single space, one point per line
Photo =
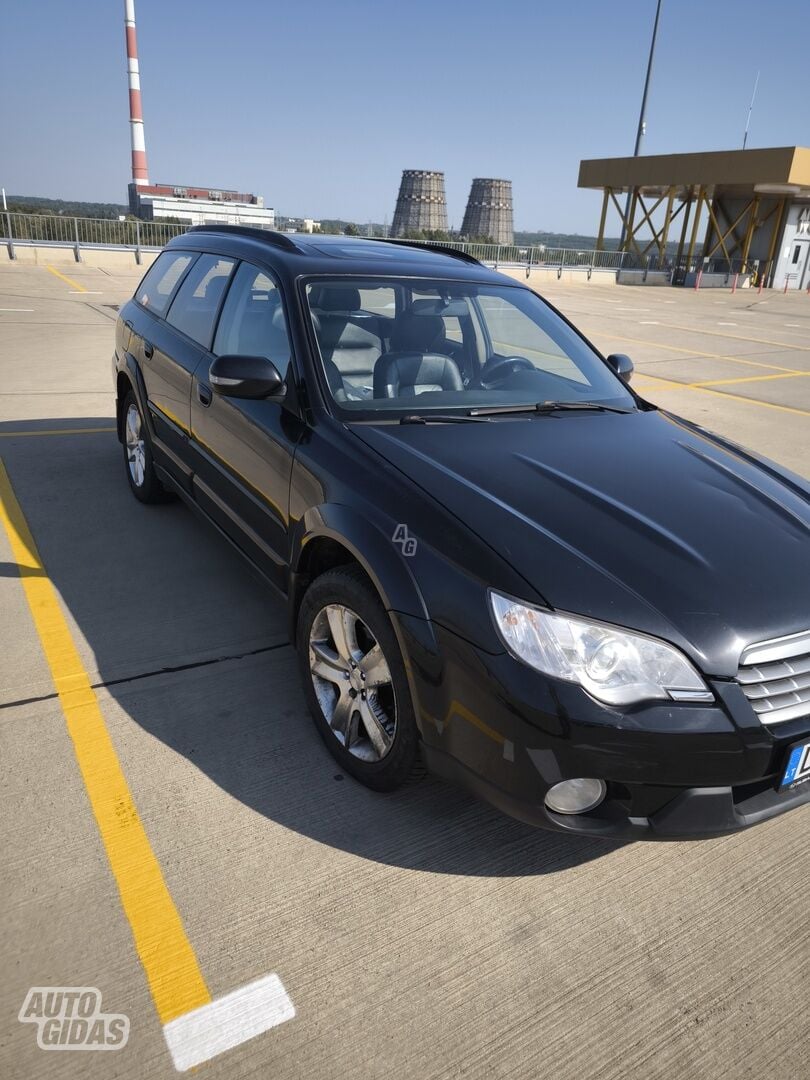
x=642 y=119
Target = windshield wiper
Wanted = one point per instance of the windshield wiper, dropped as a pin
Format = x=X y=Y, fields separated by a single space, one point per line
x=438 y=418
x=546 y=407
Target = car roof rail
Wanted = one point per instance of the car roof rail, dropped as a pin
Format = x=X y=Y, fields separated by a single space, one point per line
x=441 y=249
x=269 y=236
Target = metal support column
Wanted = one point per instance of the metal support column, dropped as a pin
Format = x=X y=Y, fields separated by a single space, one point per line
x=695 y=224
x=12 y=254
x=749 y=232
x=687 y=213
x=662 y=245
x=601 y=237
x=629 y=222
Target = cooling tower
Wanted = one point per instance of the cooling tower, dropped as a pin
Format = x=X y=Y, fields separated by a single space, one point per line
x=489 y=211
x=421 y=203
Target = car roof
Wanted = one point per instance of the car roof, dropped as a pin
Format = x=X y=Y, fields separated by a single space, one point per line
x=305 y=253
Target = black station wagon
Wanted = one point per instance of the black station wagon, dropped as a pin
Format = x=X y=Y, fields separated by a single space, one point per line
x=498 y=560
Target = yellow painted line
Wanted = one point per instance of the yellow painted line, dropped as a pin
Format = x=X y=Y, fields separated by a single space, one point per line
x=171 y=968
x=660 y=384
x=754 y=378
x=737 y=337
x=668 y=384
x=697 y=353
x=57 y=431
x=73 y=284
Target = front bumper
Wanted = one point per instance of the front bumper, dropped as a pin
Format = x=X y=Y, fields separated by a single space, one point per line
x=673 y=770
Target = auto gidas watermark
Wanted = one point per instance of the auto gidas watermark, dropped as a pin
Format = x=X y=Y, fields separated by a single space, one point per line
x=406 y=540
x=71 y=1018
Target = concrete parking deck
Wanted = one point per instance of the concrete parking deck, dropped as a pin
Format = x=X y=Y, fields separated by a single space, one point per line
x=419 y=934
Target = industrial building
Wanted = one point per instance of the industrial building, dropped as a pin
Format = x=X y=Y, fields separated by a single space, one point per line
x=421 y=203
x=489 y=211
x=745 y=212
x=195 y=205
x=199 y=206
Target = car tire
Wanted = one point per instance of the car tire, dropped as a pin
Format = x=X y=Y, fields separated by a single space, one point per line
x=138 y=460
x=382 y=750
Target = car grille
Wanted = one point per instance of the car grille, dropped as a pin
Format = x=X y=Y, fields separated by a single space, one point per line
x=775 y=677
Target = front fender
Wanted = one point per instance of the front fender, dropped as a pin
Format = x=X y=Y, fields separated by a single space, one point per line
x=366 y=542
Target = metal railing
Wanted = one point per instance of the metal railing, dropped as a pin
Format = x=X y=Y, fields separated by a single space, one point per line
x=132 y=234
x=78 y=232
x=538 y=255
x=135 y=235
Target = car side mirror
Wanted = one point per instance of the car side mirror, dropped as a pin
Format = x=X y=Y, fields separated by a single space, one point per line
x=622 y=365
x=246 y=377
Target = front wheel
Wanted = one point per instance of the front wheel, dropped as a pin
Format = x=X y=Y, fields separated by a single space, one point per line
x=354 y=680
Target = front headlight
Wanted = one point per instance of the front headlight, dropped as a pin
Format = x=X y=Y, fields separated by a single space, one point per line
x=615 y=666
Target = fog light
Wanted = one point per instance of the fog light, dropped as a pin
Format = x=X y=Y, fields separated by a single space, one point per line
x=575 y=796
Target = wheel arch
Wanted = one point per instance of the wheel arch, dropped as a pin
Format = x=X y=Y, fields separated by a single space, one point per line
x=129 y=377
x=331 y=535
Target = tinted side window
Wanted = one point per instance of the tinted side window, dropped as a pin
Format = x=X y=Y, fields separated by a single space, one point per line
x=155 y=291
x=252 y=322
x=194 y=309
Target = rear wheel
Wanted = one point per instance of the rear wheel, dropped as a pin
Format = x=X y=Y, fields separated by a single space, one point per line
x=354 y=680
x=143 y=480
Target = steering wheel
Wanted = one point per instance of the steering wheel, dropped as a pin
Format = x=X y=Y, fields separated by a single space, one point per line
x=503 y=366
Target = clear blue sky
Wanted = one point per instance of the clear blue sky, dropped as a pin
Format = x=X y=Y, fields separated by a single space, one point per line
x=319 y=104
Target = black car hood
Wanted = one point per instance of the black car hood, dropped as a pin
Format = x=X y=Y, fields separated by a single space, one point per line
x=640 y=519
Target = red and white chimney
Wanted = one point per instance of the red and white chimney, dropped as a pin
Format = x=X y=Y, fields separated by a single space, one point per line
x=140 y=173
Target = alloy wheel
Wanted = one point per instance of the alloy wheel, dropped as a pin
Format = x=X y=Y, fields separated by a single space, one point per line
x=352 y=682
x=136 y=448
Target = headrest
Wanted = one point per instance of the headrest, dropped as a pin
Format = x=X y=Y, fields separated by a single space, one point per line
x=457 y=308
x=417 y=333
x=336 y=298
x=336 y=334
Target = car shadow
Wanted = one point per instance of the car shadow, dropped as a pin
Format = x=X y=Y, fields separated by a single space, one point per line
x=191 y=645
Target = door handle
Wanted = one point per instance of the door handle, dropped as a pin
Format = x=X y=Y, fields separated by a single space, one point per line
x=148 y=350
x=205 y=394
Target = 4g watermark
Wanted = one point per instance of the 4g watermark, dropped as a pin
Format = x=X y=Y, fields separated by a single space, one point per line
x=70 y=1018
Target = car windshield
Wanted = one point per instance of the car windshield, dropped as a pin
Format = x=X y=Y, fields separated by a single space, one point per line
x=395 y=346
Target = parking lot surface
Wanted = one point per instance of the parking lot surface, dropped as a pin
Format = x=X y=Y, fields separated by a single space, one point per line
x=175 y=831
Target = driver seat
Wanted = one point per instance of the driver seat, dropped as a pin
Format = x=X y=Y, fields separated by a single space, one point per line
x=406 y=374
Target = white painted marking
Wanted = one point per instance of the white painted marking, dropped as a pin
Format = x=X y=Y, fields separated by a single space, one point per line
x=229 y=1021
x=669 y=301
x=648 y=322
x=799 y=325
x=88 y=292
x=726 y=324
x=16 y=309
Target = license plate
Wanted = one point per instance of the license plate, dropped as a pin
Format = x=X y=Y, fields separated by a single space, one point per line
x=798 y=767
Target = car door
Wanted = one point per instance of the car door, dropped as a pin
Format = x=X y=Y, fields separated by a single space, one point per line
x=243 y=449
x=172 y=347
x=165 y=359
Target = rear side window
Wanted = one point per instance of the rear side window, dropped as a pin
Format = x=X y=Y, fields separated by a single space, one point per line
x=155 y=291
x=253 y=322
x=194 y=309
